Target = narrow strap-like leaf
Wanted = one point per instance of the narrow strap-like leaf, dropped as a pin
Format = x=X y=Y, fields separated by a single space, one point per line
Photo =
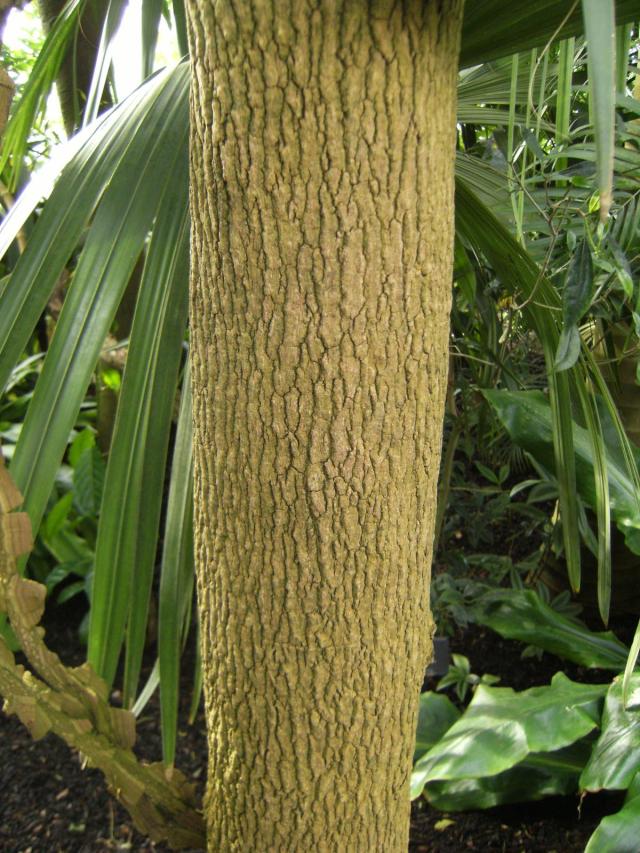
x=177 y=578
x=114 y=242
x=623 y=45
x=180 y=18
x=603 y=506
x=130 y=514
x=103 y=58
x=521 y=276
x=566 y=53
x=600 y=26
x=92 y=166
x=151 y=15
x=37 y=89
x=493 y=28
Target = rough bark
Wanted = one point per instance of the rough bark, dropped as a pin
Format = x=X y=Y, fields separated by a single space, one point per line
x=322 y=176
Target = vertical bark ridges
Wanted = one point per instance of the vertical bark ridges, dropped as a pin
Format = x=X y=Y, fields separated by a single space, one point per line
x=322 y=194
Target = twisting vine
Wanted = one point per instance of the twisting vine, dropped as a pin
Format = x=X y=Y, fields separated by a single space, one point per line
x=73 y=702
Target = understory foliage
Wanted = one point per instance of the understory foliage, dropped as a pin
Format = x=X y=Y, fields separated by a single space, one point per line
x=539 y=485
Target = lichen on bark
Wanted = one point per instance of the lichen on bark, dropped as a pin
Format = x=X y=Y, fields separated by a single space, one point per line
x=322 y=192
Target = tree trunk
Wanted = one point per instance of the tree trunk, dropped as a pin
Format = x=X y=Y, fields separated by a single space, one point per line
x=322 y=198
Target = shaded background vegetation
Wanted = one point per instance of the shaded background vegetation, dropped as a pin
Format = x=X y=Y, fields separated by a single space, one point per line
x=538 y=530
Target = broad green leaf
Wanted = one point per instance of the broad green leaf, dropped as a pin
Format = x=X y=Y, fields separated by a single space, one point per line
x=500 y=728
x=630 y=665
x=578 y=288
x=568 y=348
x=436 y=714
x=615 y=759
x=619 y=832
x=522 y=615
x=543 y=774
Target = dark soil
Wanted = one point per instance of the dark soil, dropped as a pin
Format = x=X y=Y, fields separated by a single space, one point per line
x=49 y=804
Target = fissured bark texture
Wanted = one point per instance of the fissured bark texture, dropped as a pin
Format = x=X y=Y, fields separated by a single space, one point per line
x=322 y=176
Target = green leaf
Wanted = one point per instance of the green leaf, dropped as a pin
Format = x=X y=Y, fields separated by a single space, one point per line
x=464 y=274
x=67 y=547
x=196 y=693
x=37 y=89
x=527 y=418
x=500 y=728
x=177 y=574
x=57 y=575
x=544 y=774
x=88 y=481
x=568 y=348
x=63 y=570
x=578 y=288
x=130 y=515
x=624 y=35
x=632 y=659
x=619 y=832
x=566 y=53
x=102 y=62
x=151 y=15
x=522 y=278
x=493 y=28
x=615 y=759
x=436 y=714
x=95 y=155
x=576 y=299
x=57 y=516
x=111 y=378
x=600 y=26
x=180 y=18
x=487 y=473
x=117 y=236
x=522 y=615
x=70 y=591
x=591 y=414
x=83 y=441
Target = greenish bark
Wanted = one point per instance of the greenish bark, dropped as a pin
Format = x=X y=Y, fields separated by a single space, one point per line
x=322 y=197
